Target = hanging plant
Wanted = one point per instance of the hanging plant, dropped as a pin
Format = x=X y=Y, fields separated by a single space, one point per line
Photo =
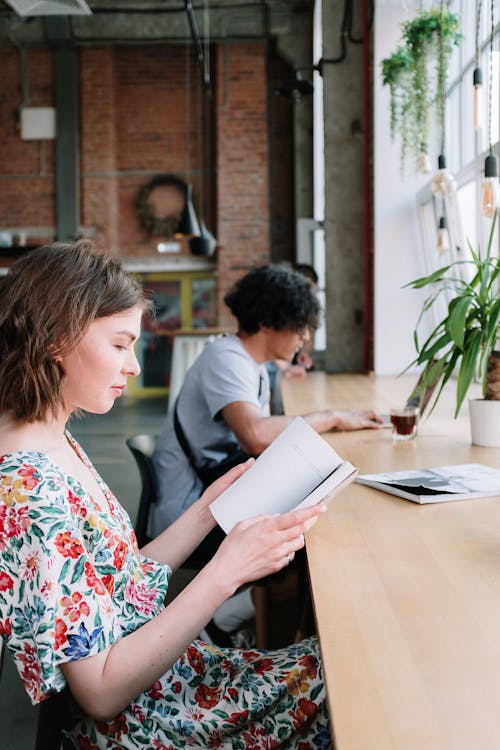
x=416 y=75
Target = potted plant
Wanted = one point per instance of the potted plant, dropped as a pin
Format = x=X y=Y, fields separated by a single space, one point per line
x=467 y=338
x=428 y=42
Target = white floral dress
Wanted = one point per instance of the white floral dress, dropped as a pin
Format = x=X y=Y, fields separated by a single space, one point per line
x=72 y=582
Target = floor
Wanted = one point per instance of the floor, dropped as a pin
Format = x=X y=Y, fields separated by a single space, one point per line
x=103 y=437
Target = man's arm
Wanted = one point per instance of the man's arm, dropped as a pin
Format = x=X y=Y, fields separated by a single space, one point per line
x=255 y=432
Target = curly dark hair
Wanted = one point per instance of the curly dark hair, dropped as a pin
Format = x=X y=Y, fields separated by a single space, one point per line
x=48 y=299
x=274 y=296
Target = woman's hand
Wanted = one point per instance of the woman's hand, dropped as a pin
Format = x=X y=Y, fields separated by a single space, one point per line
x=262 y=545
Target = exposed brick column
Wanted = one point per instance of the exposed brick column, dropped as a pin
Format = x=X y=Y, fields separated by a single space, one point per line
x=242 y=149
x=99 y=190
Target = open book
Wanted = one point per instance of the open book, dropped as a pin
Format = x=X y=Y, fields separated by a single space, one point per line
x=437 y=485
x=296 y=470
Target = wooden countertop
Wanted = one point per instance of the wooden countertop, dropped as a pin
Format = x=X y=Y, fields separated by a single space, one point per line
x=407 y=597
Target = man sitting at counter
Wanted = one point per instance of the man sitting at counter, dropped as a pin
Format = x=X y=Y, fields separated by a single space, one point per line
x=222 y=413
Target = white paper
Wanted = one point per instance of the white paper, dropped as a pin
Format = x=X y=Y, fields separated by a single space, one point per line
x=455 y=482
x=283 y=477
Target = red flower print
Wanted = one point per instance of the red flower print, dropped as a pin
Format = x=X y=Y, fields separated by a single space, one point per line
x=85 y=743
x=30 y=671
x=13 y=522
x=233 y=693
x=139 y=713
x=6 y=581
x=109 y=582
x=60 y=631
x=155 y=691
x=177 y=687
x=206 y=697
x=68 y=546
x=73 y=500
x=303 y=716
x=310 y=664
x=196 y=660
x=141 y=597
x=74 y=607
x=229 y=667
x=257 y=739
x=31 y=475
x=250 y=655
x=263 y=665
x=5 y=627
x=239 y=717
x=120 y=554
x=92 y=580
x=114 y=728
x=157 y=745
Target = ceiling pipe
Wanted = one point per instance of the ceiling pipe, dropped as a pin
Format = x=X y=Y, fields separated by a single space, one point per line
x=205 y=76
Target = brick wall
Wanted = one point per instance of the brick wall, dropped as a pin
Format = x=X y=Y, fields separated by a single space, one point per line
x=143 y=112
x=27 y=180
x=242 y=162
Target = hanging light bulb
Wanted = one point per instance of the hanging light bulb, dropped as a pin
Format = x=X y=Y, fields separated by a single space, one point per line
x=424 y=163
x=443 y=239
x=443 y=183
x=490 y=191
x=477 y=79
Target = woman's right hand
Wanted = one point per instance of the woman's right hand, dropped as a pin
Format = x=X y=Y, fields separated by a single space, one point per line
x=262 y=545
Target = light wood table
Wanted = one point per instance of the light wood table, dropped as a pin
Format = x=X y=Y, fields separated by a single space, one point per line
x=407 y=597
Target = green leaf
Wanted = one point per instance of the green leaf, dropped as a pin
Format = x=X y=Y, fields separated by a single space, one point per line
x=468 y=366
x=78 y=571
x=426 y=280
x=456 y=319
x=493 y=323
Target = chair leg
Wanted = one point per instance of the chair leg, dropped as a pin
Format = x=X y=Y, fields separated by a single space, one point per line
x=260 y=600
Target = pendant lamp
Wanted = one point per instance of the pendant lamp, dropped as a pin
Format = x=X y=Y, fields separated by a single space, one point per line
x=443 y=183
x=443 y=240
x=205 y=244
x=189 y=225
x=490 y=190
x=477 y=77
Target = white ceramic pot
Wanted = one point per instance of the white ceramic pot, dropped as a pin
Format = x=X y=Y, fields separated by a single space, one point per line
x=485 y=422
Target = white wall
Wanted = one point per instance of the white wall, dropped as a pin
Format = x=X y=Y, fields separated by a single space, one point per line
x=398 y=255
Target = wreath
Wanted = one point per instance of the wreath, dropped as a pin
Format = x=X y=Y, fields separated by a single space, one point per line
x=164 y=226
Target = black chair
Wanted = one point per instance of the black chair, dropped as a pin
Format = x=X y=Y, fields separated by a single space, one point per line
x=142 y=447
x=55 y=714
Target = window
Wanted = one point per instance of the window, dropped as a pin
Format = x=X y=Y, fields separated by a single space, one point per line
x=466 y=148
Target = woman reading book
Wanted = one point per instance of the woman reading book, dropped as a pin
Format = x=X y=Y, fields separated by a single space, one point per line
x=80 y=605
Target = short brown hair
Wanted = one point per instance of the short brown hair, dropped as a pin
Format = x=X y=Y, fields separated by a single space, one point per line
x=48 y=299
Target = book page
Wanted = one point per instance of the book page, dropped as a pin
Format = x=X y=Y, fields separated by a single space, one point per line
x=293 y=465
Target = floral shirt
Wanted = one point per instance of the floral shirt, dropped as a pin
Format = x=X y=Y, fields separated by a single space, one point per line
x=72 y=582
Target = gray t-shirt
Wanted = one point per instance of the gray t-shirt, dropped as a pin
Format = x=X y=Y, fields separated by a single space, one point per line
x=223 y=374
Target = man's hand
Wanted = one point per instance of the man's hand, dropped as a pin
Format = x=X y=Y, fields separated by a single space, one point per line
x=358 y=420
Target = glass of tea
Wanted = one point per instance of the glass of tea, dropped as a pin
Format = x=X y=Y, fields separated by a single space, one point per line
x=404 y=422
